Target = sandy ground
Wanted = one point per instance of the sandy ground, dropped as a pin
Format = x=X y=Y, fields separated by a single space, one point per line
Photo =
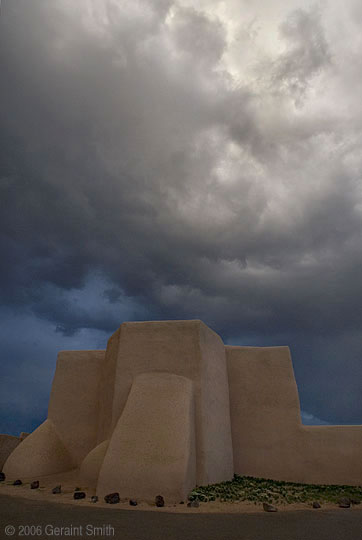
x=70 y=480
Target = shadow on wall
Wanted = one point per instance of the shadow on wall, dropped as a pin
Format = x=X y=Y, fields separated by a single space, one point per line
x=8 y=443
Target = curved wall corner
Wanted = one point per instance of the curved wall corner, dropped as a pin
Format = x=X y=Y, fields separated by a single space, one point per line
x=192 y=350
x=8 y=443
x=40 y=454
x=152 y=448
x=91 y=465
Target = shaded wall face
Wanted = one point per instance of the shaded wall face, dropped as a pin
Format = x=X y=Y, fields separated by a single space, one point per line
x=269 y=439
x=215 y=422
x=106 y=387
x=265 y=412
x=8 y=443
x=331 y=455
x=170 y=347
x=152 y=448
x=42 y=453
x=74 y=400
x=188 y=349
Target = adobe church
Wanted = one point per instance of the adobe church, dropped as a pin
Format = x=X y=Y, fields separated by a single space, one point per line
x=167 y=406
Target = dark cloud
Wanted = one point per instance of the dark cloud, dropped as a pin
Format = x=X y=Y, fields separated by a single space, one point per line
x=29 y=347
x=141 y=178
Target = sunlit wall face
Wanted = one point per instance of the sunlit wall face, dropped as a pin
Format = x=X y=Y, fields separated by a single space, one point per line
x=166 y=161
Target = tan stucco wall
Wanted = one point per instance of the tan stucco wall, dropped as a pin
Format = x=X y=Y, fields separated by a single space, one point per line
x=70 y=432
x=40 y=454
x=152 y=449
x=8 y=443
x=269 y=439
x=331 y=455
x=192 y=350
x=106 y=387
x=92 y=463
x=168 y=406
x=265 y=411
x=74 y=400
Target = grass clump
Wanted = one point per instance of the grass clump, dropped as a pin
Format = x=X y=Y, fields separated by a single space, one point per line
x=259 y=490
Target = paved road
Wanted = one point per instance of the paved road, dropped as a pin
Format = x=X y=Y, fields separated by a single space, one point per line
x=99 y=523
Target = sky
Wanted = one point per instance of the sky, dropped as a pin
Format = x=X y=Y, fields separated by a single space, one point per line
x=166 y=159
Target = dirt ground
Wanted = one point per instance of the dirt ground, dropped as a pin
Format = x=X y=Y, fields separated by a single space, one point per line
x=70 y=480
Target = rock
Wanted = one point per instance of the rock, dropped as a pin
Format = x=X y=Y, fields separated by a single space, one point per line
x=56 y=490
x=355 y=501
x=34 y=485
x=112 y=498
x=17 y=483
x=2 y=477
x=79 y=495
x=269 y=508
x=193 y=504
x=132 y=502
x=344 y=502
x=159 y=500
x=316 y=504
x=94 y=499
x=182 y=502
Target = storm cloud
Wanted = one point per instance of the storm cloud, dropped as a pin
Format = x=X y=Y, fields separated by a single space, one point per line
x=161 y=161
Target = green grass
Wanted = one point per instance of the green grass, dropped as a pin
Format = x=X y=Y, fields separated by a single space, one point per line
x=259 y=490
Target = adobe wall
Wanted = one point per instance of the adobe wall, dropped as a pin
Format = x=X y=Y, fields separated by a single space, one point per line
x=158 y=395
x=74 y=400
x=42 y=453
x=194 y=351
x=265 y=413
x=331 y=455
x=269 y=439
x=168 y=406
x=70 y=431
x=8 y=443
x=153 y=444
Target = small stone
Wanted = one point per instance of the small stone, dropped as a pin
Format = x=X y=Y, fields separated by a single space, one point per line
x=79 y=495
x=159 y=500
x=112 y=498
x=2 y=477
x=193 y=504
x=316 y=504
x=344 y=502
x=34 y=485
x=182 y=502
x=56 y=490
x=17 y=483
x=269 y=508
x=94 y=499
x=132 y=502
